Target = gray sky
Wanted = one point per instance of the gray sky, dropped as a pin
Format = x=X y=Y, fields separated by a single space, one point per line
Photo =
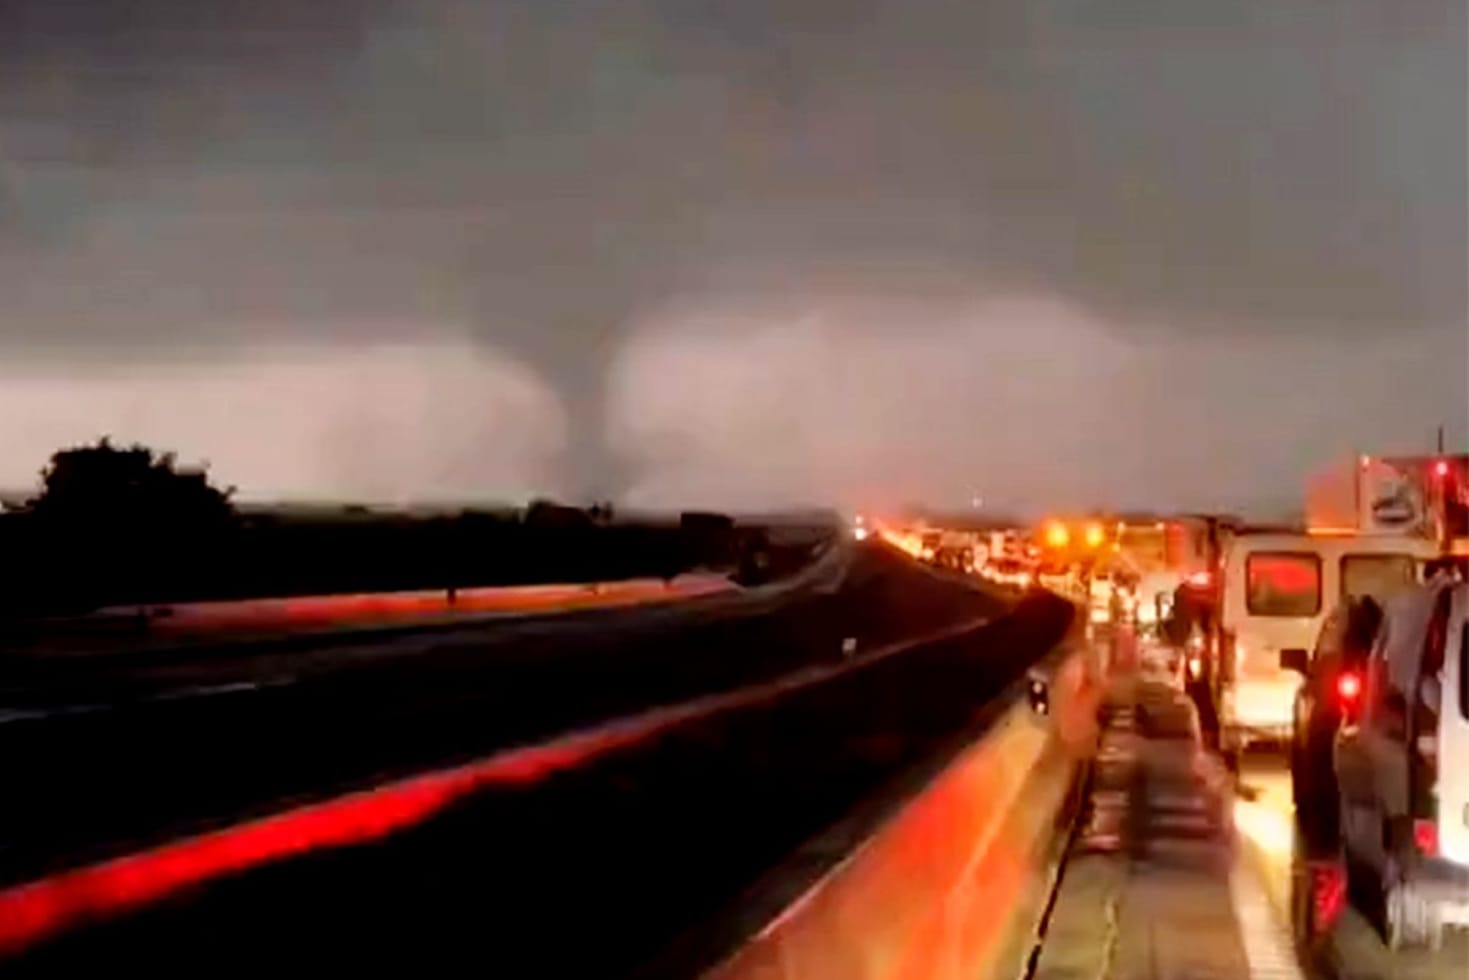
x=766 y=251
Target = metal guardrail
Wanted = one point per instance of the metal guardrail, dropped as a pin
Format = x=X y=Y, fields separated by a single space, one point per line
x=408 y=609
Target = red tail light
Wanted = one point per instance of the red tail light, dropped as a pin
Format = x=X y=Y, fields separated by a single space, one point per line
x=1349 y=687
x=1425 y=837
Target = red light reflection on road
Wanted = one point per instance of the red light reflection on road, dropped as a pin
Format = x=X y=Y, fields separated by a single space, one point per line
x=33 y=912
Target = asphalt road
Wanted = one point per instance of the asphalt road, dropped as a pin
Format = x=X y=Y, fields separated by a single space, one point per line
x=596 y=871
x=127 y=756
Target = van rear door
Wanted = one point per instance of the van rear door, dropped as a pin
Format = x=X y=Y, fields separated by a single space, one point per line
x=1283 y=593
x=1453 y=736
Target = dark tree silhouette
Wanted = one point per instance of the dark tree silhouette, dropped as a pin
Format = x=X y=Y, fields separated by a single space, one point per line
x=105 y=488
x=116 y=524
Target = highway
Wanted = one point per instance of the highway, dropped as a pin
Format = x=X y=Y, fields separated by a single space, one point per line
x=1180 y=869
x=634 y=843
x=656 y=792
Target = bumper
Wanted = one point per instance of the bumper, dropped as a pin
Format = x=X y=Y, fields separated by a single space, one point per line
x=1240 y=732
x=1443 y=887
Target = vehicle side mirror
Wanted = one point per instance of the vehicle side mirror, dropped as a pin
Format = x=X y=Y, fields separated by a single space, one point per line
x=1295 y=659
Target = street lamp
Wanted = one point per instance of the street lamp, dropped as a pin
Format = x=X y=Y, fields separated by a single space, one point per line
x=1056 y=535
x=1094 y=535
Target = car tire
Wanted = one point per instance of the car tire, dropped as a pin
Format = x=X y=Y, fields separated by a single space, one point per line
x=1396 y=920
x=1406 y=923
x=1318 y=811
x=1352 y=869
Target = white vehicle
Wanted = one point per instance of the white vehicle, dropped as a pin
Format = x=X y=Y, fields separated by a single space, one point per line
x=1276 y=590
x=1008 y=571
x=1403 y=768
x=1099 y=597
x=1155 y=596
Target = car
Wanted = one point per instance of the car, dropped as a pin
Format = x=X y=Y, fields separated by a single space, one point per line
x=1329 y=695
x=1008 y=571
x=1402 y=768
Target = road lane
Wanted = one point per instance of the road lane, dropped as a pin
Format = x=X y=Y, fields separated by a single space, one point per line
x=161 y=766
x=588 y=872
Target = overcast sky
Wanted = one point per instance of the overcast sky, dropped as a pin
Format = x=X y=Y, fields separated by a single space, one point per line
x=737 y=252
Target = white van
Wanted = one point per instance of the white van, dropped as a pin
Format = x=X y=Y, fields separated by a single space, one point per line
x=1276 y=590
x=1403 y=768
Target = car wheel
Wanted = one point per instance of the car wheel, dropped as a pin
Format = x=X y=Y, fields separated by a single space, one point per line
x=1406 y=919
x=1396 y=931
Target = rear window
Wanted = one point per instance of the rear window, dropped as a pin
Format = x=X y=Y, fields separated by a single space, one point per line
x=1283 y=583
x=1464 y=673
x=1378 y=576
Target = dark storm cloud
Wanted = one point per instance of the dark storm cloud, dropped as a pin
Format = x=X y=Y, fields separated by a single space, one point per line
x=541 y=176
x=1265 y=162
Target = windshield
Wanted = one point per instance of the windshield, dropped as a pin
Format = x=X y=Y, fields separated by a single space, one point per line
x=1377 y=576
x=1464 y=672
x=1283 y=584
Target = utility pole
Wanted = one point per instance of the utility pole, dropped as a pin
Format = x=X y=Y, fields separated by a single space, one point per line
x=1440 y=440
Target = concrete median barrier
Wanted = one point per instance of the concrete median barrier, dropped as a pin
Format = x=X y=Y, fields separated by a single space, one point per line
x=135 y=627
x=952 y=885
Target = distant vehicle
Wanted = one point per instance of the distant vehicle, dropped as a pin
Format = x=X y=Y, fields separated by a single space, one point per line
x=1100 y=598
x=1008 y=571
x=956 y=559
x=929 y=543
x=1155 y=597
x=1330 y=695
x=1054 y=576
x=1276 y=591
x=1403 y=768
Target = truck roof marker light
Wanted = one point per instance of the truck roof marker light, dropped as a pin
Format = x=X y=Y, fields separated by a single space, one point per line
x=1349 y=687
x=1441 y=468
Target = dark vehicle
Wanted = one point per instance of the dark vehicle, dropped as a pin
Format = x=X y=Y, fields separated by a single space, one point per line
x=955 y=559
x=1330 y=695
x=1401 y=770
x=1187 y=631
